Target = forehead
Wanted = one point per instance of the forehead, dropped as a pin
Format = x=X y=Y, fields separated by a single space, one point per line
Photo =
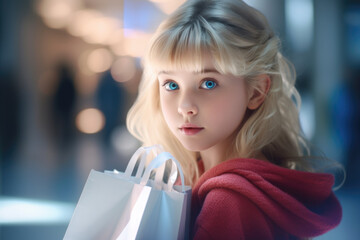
x=205 y=65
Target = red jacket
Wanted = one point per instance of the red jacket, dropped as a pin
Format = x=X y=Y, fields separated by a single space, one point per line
x=254 y=199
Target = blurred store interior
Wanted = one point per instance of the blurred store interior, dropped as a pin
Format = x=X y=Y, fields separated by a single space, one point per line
x=69 y=71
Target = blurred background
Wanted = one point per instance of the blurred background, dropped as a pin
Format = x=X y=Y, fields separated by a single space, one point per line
x=69 y=71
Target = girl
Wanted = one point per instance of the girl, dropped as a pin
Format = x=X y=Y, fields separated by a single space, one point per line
x=218 y=95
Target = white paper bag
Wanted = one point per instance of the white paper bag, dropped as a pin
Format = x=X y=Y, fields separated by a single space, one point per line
x=116 y=205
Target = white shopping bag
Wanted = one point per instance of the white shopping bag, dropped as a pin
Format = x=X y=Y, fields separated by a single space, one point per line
x=115 y=205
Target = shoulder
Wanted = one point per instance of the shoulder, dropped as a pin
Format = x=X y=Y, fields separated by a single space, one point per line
x=228 y=205
x=251 y=194
x=238 y=174
x=226 y=214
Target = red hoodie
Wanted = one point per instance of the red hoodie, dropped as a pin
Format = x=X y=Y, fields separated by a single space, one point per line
x=254 y=199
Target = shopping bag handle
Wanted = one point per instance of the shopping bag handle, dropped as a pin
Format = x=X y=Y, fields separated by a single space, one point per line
x=157 y=162
x=143 y=152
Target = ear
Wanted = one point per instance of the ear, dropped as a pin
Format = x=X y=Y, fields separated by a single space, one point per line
x=259 y=91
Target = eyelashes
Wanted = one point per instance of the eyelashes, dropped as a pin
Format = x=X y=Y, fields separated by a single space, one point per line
x=206 y=84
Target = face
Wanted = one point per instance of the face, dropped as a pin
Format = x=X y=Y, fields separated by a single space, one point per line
x=202 y=109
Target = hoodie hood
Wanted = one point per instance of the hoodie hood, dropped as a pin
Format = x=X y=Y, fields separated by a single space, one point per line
x=301 y=203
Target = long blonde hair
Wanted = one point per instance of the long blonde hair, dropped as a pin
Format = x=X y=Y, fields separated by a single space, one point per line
x=241 y=42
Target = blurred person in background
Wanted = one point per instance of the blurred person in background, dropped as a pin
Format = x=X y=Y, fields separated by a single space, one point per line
x=63 y=106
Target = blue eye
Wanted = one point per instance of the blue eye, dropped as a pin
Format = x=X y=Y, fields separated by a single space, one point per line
x=208 y=84
x=171 y=86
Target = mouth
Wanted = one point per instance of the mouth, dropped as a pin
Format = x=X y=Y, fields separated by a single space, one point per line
x=190 y=129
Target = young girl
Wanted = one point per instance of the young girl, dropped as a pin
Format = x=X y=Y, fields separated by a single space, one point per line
x=218 y=95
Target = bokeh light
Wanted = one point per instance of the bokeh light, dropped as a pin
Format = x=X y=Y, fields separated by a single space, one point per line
x=123 y=69
x=57 y=13
x=90 y=120
x=81 y=22
x=101 y=30
x=99 y=60
x=134 y=43
x=31 y=211
x=86 y=81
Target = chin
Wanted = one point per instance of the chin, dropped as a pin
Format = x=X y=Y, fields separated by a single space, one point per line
x=193 y=147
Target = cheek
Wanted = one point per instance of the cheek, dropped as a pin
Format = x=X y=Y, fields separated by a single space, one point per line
x=167 y=107
x=228 y=111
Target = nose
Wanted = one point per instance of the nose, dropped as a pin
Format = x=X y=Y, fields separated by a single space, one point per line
x=187 y=106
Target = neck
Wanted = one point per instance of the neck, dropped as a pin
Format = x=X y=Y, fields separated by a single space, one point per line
x=219 y=153
x=210 y=158
x=215 y=155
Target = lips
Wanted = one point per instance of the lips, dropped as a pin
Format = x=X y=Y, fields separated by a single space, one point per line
x=190 y=129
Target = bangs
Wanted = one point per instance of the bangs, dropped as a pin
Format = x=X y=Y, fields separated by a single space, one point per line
x=182 y=48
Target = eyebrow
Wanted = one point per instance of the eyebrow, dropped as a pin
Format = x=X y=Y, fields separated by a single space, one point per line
x=210 y=70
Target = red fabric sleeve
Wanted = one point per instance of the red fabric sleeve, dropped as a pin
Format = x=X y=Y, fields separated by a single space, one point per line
x=226 y=214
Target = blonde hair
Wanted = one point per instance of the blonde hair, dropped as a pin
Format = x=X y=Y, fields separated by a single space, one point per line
x=241 y=42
